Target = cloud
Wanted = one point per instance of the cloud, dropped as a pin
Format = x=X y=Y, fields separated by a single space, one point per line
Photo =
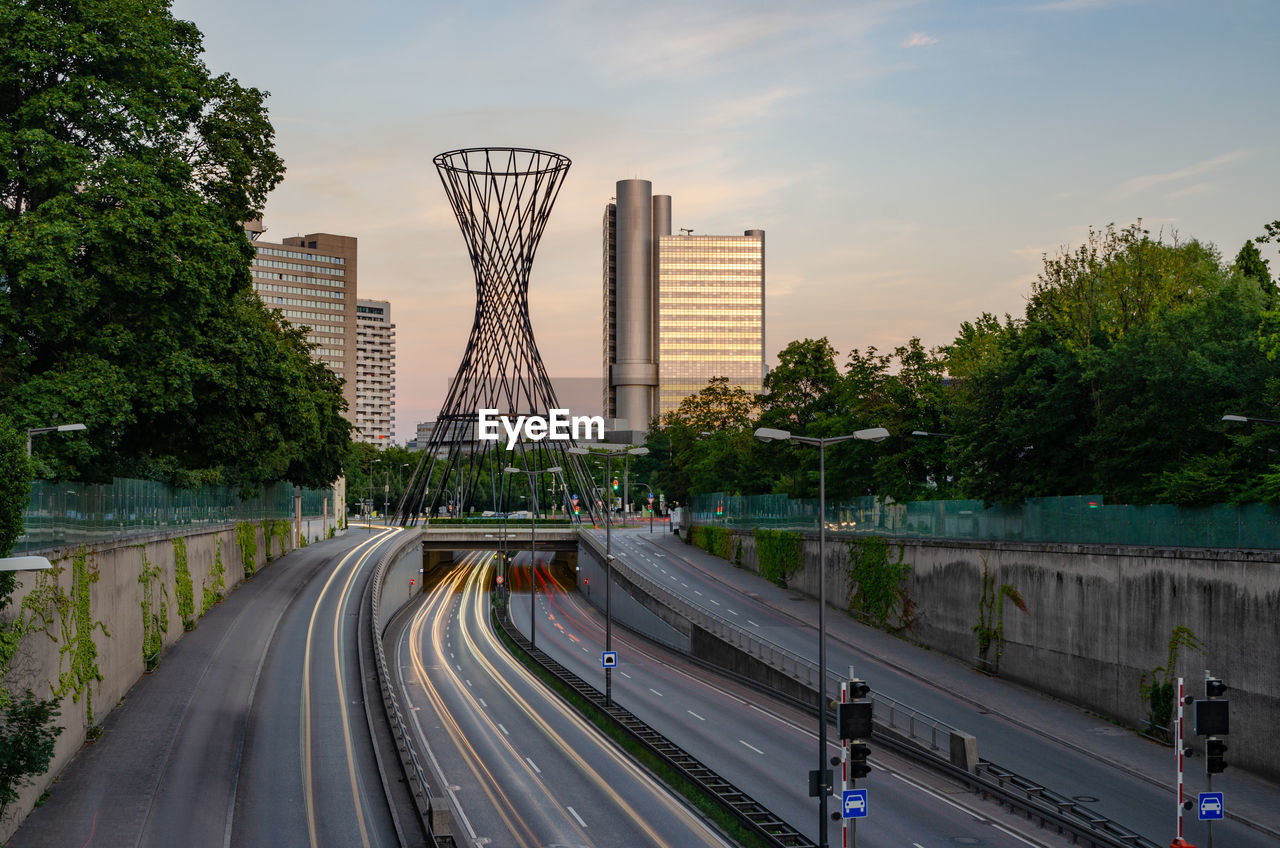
x=919 y=39
x=1198 y=188
x=1139 y=184
x=1075 y=5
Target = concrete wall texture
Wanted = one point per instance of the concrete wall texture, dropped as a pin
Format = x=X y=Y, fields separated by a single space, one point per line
x=1098 y=618
x=115 y=609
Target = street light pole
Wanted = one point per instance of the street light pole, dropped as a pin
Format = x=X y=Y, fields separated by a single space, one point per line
x=608 y=561
x=533 y=542
x=61 y=428
x=875 y=434
x=369 y=517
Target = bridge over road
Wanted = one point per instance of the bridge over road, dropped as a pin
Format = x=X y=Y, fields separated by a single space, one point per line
x=441 y=540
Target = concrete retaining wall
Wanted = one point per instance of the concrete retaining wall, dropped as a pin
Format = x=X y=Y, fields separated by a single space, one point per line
x=1100 y=616
x=111 y=574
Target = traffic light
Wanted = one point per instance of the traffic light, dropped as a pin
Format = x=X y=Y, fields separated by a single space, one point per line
x=858 y=689
x=858 y=766
x=853 y=718
x=1214 y=749
x=1214 y=688
x=615 y=484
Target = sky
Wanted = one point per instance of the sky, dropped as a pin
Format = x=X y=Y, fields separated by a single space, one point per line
x=911 y=162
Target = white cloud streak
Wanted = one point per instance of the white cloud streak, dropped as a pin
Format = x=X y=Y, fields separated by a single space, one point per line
x=919 y=39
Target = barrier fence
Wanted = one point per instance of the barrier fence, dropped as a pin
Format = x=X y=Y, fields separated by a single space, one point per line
x=1083 y=519
x=67 y=514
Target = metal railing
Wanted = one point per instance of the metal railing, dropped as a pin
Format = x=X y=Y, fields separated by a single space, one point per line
x=66 y=514
x=419 y=788
x=1082 y=519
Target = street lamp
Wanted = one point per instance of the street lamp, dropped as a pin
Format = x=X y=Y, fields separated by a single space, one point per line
x=533 y=541
x=61 y=428
x=873 y=434
x=1244 y=419
x=608 y=556
x=369 y=508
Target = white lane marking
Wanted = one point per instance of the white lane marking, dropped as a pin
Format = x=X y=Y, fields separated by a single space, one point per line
x=458 y=667
x=468 y=684
x=503 y=729
x=686 y=585
x=940 y=797
x=752 y=623
x=916 y=845
x=655 y=691
x=624 y=674
x=533 y=766
x=735 y=612
x=483 y=704
x=752 y=747
x=695 y=715
x=696 y=592
x=714 y=601
x=574 y=813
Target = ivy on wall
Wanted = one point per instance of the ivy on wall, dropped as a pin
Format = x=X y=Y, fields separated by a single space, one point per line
x=780 y=554
x=878 y=584
x=155 y=611
x=990 y=626
x=72 y=614
x=247 y=540
x=1156 y=687
x=182 y=579
x=715 y=540
x=279 y=530
x=215 y=582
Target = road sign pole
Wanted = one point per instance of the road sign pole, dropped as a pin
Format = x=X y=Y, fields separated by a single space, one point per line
x=1178 y=749
x=1208 y=775
x=849 y=824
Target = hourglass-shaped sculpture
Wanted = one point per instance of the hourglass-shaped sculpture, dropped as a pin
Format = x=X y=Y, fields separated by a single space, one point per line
x=502 y=197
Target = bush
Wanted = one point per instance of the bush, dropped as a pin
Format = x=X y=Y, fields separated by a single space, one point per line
x=780 y=553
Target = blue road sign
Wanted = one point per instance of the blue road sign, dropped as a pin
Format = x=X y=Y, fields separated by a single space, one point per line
x=855 y=803
x=1211 y=806
x=609 y=659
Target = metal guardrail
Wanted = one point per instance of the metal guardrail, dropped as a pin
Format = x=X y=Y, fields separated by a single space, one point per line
x=1052 y=809
x=918 y=725
x=419 y=788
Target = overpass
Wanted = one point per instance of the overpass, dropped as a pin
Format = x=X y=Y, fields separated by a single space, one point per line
x=440 y=541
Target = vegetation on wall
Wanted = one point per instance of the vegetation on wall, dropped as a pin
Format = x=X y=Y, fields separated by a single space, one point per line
x=215 y=582
x=990 y=626
x=155 y=611
x=1156 y=687
x=247 y=541
x=715 y=540
x=878 y=590
x=71 y=614
x=779 y=554
x=183 y=587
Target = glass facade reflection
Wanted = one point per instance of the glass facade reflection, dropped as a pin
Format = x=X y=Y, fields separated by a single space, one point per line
x=710 y=314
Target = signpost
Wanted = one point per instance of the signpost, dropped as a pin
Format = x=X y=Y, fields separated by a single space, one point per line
x=855 y=803
x=1212 y=807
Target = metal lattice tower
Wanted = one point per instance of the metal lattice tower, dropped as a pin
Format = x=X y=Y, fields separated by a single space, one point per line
x=502 y=197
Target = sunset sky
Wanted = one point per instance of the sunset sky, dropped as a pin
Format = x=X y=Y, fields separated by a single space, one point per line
x=910 y=162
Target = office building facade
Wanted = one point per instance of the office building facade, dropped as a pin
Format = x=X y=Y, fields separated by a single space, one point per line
x=311 y=279
x=678 y=310
x=375 y=373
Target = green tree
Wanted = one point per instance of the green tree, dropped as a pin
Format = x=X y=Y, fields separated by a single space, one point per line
x=1250 y=263
x=15 y=486
x=126 y=169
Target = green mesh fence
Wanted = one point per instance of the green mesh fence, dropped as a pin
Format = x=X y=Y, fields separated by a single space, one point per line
x=1083 y=519
x=67 y=514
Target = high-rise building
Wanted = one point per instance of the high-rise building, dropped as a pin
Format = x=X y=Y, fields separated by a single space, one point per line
x=678 y=310
x=375 y=372
x=312 y=280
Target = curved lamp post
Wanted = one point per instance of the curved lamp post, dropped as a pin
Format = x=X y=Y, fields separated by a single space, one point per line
x=533 y=542
x=608 y=555
x=61 y=428
x=874 y=434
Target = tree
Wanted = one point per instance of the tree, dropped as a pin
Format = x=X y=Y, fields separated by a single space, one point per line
x=1250 y=263
x=15 y=485
x=126 y=171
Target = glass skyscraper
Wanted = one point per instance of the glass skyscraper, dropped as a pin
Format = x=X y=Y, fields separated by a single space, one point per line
x=678 y=310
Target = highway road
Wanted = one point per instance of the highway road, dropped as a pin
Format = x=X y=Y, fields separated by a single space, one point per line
x=521 y=768
x=763 y=746
x=250 y=733
x=1129 y=800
